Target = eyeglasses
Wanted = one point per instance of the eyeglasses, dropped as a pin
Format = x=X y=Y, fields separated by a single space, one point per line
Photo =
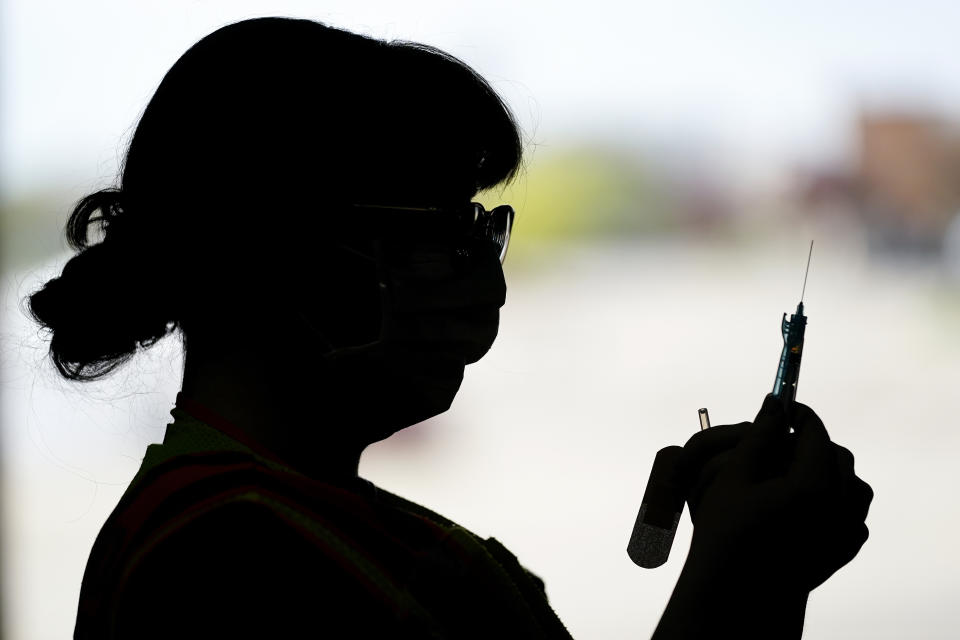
x=470 y=220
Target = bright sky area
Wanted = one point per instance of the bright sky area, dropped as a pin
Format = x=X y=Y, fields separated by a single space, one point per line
x=767 y=82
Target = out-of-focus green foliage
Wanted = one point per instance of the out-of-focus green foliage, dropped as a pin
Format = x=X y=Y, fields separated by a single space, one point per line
x=575 y=193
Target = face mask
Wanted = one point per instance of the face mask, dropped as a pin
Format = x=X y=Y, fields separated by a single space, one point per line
x=439 y=312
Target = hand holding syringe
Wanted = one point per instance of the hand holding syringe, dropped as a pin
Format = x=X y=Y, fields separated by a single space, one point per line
x=748 y=486
x=666 y=492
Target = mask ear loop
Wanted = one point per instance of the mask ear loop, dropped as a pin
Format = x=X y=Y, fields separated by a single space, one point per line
x=318 y=335
x=331 y=350
x=380 y=255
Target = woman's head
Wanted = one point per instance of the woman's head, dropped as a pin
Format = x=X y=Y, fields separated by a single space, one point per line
x=251 y=148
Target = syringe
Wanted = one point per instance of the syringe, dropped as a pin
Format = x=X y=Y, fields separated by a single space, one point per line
x=788 y=371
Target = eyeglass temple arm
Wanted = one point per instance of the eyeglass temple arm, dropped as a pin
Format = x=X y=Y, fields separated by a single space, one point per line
x=384 y=206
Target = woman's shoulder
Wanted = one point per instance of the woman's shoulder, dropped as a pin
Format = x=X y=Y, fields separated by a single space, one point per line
x=240 y=569
x=222 y=531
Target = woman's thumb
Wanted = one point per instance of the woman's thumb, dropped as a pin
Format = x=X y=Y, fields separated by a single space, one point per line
x=771 y=412
x=763 y=442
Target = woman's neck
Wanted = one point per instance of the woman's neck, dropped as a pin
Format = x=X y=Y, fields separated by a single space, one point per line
x=279 y=405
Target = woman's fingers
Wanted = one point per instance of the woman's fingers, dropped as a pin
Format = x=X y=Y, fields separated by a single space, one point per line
x=862 y=496
x=705 y=444
x=706 y=478
x=761 y=453
x=815 y=464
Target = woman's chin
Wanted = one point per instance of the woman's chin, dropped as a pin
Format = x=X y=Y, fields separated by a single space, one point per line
x=420 y=392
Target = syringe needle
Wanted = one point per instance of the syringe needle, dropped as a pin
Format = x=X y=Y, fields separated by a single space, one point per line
x=807 y=272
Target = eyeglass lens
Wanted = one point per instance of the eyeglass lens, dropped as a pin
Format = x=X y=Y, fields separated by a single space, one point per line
x=494 y=225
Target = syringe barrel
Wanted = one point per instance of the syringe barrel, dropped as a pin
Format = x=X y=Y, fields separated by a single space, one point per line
x=788 y=369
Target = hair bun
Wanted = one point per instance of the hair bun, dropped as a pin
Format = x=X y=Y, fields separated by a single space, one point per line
x=98 y=311
x=45 y=305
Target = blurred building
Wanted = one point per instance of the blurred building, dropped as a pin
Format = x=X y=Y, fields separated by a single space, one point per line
x=905 y=185
x=910 y=176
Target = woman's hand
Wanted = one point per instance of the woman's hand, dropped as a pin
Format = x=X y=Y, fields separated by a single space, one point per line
x=783 y=508
x=775 y=514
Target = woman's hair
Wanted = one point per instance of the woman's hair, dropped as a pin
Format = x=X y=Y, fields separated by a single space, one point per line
x=247 y=151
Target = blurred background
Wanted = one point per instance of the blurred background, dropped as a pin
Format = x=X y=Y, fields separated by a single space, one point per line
x=680 y=158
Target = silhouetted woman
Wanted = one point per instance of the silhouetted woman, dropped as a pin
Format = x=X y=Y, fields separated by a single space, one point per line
x=296 y=204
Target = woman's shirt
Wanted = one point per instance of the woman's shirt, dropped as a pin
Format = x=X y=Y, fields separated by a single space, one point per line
x=215 y=537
